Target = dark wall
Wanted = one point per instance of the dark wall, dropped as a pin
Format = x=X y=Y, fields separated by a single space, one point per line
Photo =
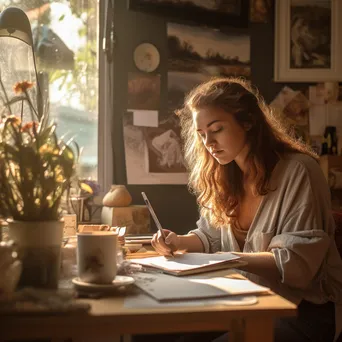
x=175 y=207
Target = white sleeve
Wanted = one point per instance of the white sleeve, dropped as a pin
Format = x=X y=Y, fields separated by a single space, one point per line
x=210 y=237
x=300 y=249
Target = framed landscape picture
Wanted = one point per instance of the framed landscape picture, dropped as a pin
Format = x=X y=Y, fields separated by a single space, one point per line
x=308 y=41
x=214 y=13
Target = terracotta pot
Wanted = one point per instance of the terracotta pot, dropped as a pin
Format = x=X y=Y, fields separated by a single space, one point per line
x=118 y=196
x=39 y=249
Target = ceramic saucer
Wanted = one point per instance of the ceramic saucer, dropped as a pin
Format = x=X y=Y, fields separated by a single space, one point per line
x=119 y=281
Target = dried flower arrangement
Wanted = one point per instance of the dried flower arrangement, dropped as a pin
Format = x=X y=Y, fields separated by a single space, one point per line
x=36 y=168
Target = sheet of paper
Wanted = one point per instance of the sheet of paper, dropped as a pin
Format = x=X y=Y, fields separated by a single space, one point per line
x=145 y=301
x=283 y=98
x=317 y=119
x=145 y=118
x=169 y=288
x=188 y=261
x=232 y=286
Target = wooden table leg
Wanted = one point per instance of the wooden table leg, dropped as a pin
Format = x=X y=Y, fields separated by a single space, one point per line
x=258 y=330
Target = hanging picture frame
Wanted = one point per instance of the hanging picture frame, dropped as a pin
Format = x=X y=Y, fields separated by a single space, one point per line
x=308 y=41
x=213 y=13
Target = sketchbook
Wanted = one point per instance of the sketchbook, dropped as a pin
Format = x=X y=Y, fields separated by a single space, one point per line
x=191 y=263
x=166 y=288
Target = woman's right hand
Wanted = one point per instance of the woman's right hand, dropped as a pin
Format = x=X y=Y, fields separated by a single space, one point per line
x=171 y=243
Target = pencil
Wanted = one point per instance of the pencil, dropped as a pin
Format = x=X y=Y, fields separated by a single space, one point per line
x=155 y=218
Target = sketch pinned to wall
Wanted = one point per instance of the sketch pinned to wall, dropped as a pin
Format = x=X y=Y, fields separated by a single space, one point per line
x=164 y=149
x=153 y=154
x=294 y=106
x=143 y=91
x=197 y=54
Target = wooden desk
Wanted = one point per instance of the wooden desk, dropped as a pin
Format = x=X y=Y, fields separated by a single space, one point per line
x=109 y=317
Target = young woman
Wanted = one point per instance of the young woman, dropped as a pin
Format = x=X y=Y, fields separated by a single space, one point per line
x=262 y=195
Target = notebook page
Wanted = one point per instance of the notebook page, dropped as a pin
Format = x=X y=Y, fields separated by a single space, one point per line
x=188 y=261
x=232 y=286
x=168 y=288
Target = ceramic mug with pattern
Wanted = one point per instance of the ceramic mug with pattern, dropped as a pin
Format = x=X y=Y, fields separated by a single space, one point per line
x=96 y=256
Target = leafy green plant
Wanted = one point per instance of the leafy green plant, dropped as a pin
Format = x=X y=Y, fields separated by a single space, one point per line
x=36 y=168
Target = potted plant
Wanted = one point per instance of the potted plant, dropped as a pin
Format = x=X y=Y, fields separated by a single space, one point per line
x=36 y=170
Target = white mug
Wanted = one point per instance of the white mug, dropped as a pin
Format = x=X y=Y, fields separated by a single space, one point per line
x=96 y=256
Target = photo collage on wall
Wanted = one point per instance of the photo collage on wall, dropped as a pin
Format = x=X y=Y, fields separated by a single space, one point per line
x=153 y=146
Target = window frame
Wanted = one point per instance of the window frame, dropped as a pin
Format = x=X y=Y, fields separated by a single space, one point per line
x=105 y=169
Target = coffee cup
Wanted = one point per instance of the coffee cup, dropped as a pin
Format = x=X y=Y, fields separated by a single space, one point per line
x=96 y=256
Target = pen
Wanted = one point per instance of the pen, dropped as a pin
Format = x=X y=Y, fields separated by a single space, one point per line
x=154 y=216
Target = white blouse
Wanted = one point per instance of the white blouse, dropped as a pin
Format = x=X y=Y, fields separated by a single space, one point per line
x=295 y=223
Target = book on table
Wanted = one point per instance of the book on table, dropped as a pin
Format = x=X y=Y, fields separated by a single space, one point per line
x=144 y=239
x=191 y=263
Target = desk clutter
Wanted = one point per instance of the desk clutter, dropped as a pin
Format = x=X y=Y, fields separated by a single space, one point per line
x=87 y=256
x=133 y=277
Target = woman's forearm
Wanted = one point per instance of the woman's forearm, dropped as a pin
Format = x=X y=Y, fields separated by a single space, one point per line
x=190 y=243
x=263 y=264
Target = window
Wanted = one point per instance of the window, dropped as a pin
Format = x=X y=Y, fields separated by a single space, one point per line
x=65 y=35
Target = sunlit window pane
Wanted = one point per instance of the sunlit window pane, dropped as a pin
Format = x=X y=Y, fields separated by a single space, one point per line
x=65 y=35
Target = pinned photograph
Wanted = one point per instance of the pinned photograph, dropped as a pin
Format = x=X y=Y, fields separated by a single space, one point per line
x=153 y=154
x=143 y=91
x=164 y=149
x=260 y=11
x=293 y=107
x=197 y=54
x=297 y=110
x=210 y=52
x=283 y=98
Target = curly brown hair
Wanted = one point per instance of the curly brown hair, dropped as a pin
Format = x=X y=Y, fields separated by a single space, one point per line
x=220 y=187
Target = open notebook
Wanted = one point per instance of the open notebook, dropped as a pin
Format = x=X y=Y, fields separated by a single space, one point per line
x=191 y=263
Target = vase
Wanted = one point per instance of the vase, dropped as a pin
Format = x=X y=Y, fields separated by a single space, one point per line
x=39 y=249
x=118 y=196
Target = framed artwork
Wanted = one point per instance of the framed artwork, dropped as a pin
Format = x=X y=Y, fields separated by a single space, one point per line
x=214 y=13
x=308 y=43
